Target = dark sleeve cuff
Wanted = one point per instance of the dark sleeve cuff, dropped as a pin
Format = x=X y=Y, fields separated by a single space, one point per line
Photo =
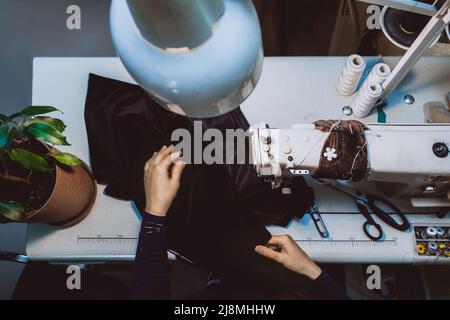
x=326 y=288
x=151 y=268
x=148 y=217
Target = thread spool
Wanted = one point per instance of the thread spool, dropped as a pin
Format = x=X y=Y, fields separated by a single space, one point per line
x=351 y=75
x=378 y=74
x=366 y=99
x=447 y=253
x=432 y=247
x=430 y=232
x=440 y=232
x=421 y=249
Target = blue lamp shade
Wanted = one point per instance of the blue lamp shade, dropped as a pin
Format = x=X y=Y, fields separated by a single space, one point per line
x=199 y=58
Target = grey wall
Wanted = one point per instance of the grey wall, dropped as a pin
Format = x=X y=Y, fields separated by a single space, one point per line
x=30 y=28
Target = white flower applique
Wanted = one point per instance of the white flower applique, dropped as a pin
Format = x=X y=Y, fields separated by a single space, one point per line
x=330 y=154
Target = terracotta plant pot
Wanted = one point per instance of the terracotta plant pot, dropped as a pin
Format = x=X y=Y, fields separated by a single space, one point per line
x=71 y=200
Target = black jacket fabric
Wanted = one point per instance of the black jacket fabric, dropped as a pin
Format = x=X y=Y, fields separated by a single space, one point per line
x=219 y=214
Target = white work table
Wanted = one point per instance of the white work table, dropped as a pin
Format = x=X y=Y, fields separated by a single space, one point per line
x=291 y=90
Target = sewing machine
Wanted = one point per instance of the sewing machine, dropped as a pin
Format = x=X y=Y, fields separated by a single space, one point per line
x=404 y=160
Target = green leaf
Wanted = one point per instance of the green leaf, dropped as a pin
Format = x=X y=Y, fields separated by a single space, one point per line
x=67 y=159
x=35 y=110
x=30 y=160
x=52 y=122
x=47 y=133
x=4 y=136
x=17 y=133
x=12 y=210
x=3 y=118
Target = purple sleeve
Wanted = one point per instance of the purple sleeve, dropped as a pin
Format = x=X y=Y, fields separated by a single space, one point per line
x=151 y=268
x=325 y=288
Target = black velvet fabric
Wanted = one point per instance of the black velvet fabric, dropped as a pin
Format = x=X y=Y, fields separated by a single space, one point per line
x=219 y=214
x=125 y=126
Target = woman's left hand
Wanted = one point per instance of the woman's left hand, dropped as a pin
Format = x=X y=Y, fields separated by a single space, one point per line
x=162 y=180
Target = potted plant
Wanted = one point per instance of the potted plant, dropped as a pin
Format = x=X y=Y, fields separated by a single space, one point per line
x=38 y=183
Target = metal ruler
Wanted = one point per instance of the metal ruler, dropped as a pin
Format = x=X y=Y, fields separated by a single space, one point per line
x=106 y=240
x=347 y=243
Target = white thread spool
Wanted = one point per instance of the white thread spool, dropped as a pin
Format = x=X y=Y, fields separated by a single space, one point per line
x=431 y=232
x=351 y=75
x=366 y=99
x=378 y=74
x=440 y=232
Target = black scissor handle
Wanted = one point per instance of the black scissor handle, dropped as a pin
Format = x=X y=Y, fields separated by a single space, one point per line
x=384 y=216
x=369 y=224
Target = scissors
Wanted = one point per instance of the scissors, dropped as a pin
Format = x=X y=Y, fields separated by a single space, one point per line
x=367 y=204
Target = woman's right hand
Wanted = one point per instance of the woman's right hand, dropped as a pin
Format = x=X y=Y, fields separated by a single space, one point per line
x=284 y=250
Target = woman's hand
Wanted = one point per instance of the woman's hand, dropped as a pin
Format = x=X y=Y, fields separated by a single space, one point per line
x=284 y=250
x=162 y=180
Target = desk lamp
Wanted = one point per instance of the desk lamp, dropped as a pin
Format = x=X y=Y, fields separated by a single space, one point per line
x=199 y=58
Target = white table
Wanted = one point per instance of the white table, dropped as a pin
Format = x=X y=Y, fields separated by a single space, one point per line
x=291 y=90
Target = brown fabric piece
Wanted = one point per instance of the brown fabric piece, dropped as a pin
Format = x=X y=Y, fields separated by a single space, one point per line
x=347 y=137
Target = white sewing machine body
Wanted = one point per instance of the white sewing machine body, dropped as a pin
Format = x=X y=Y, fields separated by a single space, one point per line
x=401 y=159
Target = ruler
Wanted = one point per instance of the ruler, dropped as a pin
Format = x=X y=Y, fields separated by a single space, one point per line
x=105 y=240
x=347 y=243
